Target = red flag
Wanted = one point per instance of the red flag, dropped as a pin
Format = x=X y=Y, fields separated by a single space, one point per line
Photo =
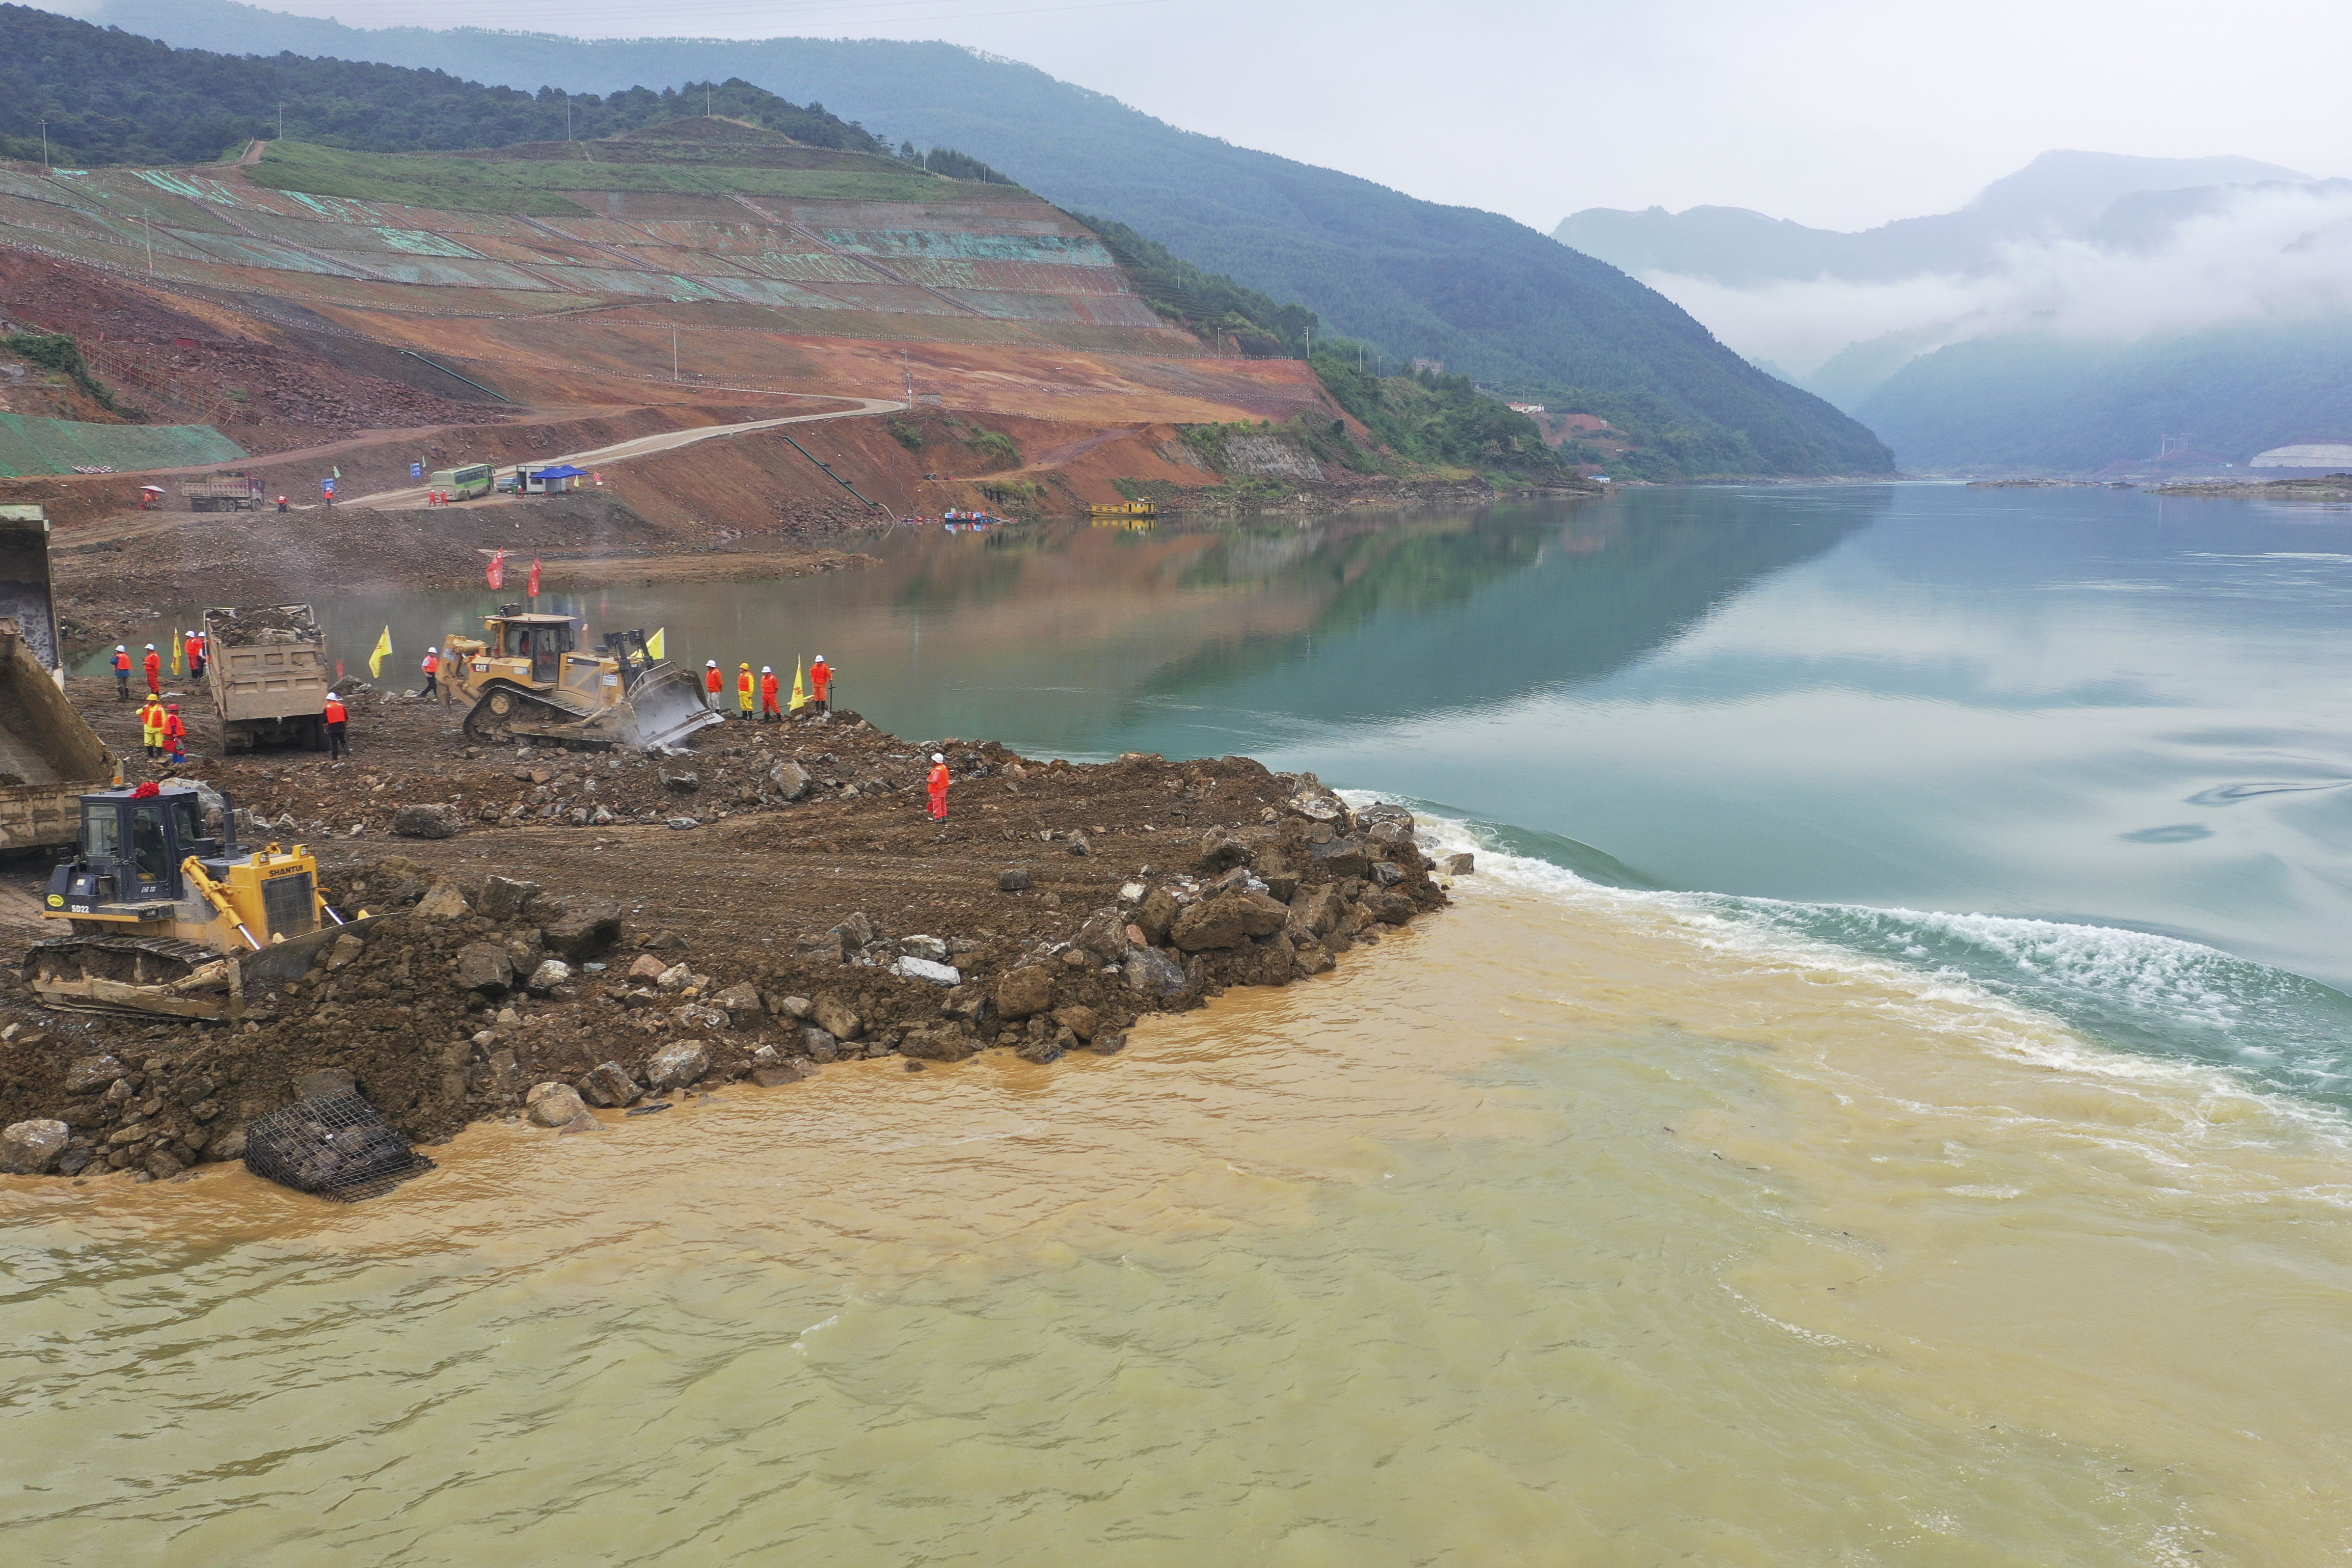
x=339 y=672
x=498 y=569
x=534 y=576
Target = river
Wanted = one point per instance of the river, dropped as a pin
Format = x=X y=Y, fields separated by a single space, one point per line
x=1882 y=1099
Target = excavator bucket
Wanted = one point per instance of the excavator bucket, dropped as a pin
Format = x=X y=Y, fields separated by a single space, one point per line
x=663 y=707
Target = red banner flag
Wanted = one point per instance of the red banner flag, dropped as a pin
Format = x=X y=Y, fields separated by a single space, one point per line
x=498 y=573
x=339 y=672
x=534 y=576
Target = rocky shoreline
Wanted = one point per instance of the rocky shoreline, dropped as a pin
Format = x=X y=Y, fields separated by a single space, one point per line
x=526 y=961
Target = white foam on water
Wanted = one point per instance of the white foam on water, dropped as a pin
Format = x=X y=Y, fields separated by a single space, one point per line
x=2162 y=979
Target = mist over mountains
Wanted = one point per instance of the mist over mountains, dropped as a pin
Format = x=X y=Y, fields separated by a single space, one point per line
x=2083 y=315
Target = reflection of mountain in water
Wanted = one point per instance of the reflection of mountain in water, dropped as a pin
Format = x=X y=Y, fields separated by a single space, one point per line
x=1483 y=610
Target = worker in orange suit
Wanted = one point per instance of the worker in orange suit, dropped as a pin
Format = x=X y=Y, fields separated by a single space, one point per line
x=939 y=786
x=154 y=666
x=337 y=717
x=432 y=668
x=743 y=689
x=122 y=673
x=713 y=683
x=196 y=656
x=821 y=684
x=771 y=709
x=176 y=733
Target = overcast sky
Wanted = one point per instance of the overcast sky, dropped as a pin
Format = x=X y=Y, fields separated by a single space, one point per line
x=1842 y=113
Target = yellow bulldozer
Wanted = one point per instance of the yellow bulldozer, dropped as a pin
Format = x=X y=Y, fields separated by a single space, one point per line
x=169 y=918
x=527 y=678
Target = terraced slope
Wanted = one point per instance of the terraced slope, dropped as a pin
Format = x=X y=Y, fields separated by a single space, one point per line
x=802 y=247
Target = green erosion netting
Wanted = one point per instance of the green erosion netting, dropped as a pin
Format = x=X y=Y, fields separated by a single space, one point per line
x=31 y=445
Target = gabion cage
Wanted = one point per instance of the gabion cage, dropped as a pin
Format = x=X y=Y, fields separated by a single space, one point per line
x=339 y=1147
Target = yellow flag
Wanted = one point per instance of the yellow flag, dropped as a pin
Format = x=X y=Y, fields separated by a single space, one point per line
x=383 y=651
x=179 y=645
x=656 y=646
x=800 y=691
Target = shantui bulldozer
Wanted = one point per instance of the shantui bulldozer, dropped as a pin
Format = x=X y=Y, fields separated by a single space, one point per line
x=169 y=919
x=527 y=679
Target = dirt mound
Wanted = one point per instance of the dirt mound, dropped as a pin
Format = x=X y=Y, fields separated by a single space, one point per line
x=828 y=919
x=264 y=624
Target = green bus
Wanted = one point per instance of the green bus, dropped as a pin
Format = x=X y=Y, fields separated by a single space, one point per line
x=464 y=484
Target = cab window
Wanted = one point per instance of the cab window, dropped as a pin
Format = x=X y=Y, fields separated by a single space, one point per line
x=187 y=819
x=101 y=833
x=147 y=850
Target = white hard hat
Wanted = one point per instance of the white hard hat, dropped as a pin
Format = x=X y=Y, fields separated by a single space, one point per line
x=151 y=647
x=333 y=698
x=820 y=659
x=712 y=663
x=767 y=669
x=119 y=647
x=937 y=758
x=432 y=650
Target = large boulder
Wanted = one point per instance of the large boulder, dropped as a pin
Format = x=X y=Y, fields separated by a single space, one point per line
x=742 y=1003
x=1342 y=858
x=609 y=1084
x=1152 y=972
x=1024 y=991
x=837 y=1018
x=1227 y=921
x=819 y=1045
x=914 y=968
x=1080 y=1019
x=678 y=1066
x=586 y=931
x=1318 y=909
x=554 y=1104
x=32 y=1148
x=431 y=820
x=789 y=780
x=1156 y=913
x=551 y=974
x=484 y=966
x=93 y=1072
x=503 y=899
x=1104 y=936
x=1222 y=850
x=442 y=901
x=938 y=1045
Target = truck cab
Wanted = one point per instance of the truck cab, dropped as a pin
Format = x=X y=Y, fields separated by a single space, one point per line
x=129 y=870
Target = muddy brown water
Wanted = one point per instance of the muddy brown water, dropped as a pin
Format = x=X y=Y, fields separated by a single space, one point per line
x=1910 y=1190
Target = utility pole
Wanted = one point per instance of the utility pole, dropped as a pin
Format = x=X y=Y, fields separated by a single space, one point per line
x=673 y=355
x=281 y=120
x=908 y=363
x=706 y=100
x=45 y=145
x=567 y=119
x=147 y=219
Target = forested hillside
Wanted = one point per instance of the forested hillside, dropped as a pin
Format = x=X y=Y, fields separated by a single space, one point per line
x=114 y=97
x=1487 y=296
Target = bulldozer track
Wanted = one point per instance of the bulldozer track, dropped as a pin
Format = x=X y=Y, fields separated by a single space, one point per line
x=194 y=955
x=534 y=713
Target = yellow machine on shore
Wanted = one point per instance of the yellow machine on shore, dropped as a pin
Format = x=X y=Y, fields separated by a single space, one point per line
x=527 y=678
x=168 y=919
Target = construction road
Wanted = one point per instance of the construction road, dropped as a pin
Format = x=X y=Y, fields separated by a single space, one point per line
x=642 y=446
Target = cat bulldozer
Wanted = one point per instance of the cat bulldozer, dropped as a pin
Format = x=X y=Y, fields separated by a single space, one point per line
x=169 y=920
x=528 y=679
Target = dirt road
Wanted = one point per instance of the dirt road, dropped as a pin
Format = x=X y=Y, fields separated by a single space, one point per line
x=645 y=446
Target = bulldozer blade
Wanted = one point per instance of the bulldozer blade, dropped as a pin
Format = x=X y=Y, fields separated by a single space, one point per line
x=663 y=708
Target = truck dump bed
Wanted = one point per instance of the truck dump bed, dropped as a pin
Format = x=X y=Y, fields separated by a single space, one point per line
x=266 y=667
x=49 y=755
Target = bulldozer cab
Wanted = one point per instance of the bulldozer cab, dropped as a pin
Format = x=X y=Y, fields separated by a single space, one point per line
x=542 y=640
x=130 y=849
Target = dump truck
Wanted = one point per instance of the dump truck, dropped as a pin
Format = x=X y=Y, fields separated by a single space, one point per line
x=224 y=491
x=527 y=676
x=167 y=915
x=48 y=752
x=267 y=667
